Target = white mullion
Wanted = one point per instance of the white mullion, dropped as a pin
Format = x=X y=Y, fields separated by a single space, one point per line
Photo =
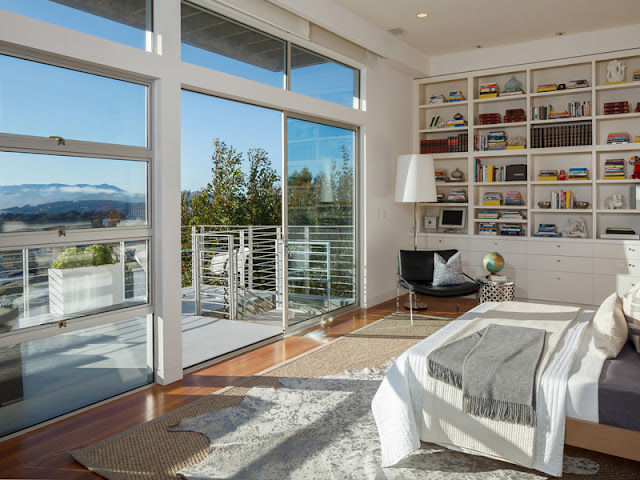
x=51 y=238
x=47 y=330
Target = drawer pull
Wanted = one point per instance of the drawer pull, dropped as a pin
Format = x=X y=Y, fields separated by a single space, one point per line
x=632 y=266
x=632 y=249
x=558 y=246
x=558 y=260
x=558 y=278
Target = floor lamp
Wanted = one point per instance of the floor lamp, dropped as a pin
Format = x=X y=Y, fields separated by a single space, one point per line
x=415 y=183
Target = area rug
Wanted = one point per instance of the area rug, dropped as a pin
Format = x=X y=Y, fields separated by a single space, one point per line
x=151 y=451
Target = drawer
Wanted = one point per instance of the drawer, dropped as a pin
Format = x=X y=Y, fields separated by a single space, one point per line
x=446 y=243
x=511 y=260
x=623 y=250
x=563 y=287
x=499 y=245
x=605 y=285
x=551 y=247
x=518 y=276
x=612 y=266
x=560 y=263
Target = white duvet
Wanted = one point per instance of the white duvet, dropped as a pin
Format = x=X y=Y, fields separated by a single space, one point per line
x=398 y=402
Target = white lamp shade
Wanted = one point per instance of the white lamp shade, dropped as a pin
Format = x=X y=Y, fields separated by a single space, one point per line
x=415 y=179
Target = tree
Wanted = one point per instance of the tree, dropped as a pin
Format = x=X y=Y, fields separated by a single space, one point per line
x=264 y=194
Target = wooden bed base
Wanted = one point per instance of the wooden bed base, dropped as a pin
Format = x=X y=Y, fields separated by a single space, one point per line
x=615 y=441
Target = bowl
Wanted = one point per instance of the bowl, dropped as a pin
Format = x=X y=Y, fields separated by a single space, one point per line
x=544 y=204
x=581 y=205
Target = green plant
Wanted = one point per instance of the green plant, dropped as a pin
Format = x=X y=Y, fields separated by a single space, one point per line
x=91 y=256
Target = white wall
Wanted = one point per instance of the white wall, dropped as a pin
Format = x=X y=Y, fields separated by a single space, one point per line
x=386 y=224
x=589 y=43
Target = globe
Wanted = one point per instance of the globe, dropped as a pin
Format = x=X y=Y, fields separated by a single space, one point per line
x=493 y=262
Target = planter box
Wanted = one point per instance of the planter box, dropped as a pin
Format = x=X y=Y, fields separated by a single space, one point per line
x=74 y=290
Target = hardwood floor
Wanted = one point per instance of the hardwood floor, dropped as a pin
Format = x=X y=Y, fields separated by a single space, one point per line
x=43 y=453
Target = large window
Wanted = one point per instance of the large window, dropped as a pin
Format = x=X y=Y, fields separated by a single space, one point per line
x=121 y=21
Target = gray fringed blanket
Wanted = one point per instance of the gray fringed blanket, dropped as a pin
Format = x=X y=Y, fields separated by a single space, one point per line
x=496 y=369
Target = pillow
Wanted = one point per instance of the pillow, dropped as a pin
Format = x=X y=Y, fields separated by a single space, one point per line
x=447 y=273
x=631 y=307
x=610 y=328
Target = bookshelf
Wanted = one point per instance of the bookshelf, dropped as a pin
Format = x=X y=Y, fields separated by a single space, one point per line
x=592 y=154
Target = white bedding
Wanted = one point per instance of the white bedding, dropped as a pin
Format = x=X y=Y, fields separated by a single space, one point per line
x=398 y=402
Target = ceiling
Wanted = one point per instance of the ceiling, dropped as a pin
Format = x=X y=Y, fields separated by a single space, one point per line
x=460 y=25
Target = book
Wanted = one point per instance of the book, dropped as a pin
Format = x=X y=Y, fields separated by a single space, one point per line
x=620 y=236
x=497 y=278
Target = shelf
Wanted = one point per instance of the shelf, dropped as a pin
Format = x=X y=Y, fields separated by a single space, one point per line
x=501 y=99
x=558 y=150
x=445 y=204
x=484 y=184
x=566 y=91
x=561 y=120
x=618 y=116
x=445 y=104
x=561 y=210
x=452 y=184
x=621 y=211
x=613 y=182
x=619 y=86
x=500 y=153
x=448 y=155
x=501 y=207
x=445 y=129
x=499 y=220
x=618 y=147
x=561 y=182
x=500 y=125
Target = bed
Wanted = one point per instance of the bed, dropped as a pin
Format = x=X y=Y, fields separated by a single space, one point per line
x=568 y=389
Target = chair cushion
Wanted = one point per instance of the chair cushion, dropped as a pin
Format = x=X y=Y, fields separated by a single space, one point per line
x=417 y=265
x=447 y=272
x=446 y=290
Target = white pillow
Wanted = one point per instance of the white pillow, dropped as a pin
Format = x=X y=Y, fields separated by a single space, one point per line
x=631 y=307
x=610 y=328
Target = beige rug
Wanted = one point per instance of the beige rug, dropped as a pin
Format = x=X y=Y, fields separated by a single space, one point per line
x=150 y=451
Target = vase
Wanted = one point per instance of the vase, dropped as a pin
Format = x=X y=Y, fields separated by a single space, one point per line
x=513 y=84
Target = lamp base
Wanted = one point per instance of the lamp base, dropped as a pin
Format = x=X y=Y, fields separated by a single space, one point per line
x=416 y=305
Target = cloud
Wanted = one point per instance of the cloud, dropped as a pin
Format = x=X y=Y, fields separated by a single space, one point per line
x=88 y=190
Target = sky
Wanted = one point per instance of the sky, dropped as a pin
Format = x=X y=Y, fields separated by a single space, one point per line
x=42 y=100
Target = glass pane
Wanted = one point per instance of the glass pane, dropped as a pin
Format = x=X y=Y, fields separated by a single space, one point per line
x=43 y=285
x=319 y=77
x=43 y=100
x=43 y=379
x=215 y=42
x=123 y=22
x=321 y=196
x=46 y=192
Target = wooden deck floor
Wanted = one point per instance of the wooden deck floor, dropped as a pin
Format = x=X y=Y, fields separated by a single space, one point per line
x=43 y=453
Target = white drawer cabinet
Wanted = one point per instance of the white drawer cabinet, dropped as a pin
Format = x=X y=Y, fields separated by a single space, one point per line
x=550 y=247
x=496 y=245
x=563 y=287
x=613 y=266
x=511 y=260
x=626 y=250
x=560 y=263
x=446 y=243
x=605 y=285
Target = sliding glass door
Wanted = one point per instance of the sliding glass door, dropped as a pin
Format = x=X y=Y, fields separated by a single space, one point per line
x=321 y=218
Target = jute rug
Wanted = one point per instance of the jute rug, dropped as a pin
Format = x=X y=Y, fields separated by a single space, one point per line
x=151 y=451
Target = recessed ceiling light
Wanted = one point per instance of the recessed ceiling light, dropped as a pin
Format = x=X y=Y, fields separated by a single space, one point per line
x=422 y=15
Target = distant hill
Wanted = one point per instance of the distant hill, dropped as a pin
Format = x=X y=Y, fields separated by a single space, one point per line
x=58 y=197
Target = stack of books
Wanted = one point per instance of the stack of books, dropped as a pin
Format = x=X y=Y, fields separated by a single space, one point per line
x=549 y=136
x=457 y=195
x=488 y=214
x=553 y=115
x=615 y=108
x=489 y=118
x=548 y=87
x=614 y=169
x=578 y=174
x=513 y=198
x=636 y=76
x=488 y=228
x=562 y=199
x=624 y=233
x=440 y=197
x=492 y=199
x=457 y=143
x=511 y=229
x=618 y=137
x=436 y=99
x=511 y=215
x=489 y=90
x=515 y=91
x=547 y=230
x=514 y=115
x=489 y=173
x=455 y=97
x=456 y=123
x=547 y=175
x=497 y=140
x=580 y=109
x=441 y=176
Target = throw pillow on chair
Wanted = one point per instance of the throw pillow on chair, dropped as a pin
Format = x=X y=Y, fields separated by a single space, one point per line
x=449 y=272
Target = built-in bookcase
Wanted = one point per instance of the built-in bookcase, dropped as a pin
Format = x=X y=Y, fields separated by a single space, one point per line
x=593 y=155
